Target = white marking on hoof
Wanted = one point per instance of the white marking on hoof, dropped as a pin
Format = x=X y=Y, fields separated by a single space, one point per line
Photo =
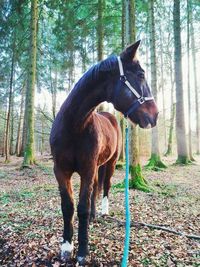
x=105 y=205
x=66 y=250
x=81 y=260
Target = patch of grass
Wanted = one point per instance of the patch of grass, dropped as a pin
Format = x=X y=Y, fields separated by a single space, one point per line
x=3 y=175
x=48 y=170
x=19 y=227
x=146 y=261
x=166 y=189
x=31 y=235
x=117 y=188
x=26 y=194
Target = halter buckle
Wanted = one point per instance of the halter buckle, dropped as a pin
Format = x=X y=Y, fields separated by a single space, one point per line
x=123 y=78
x=141 y=100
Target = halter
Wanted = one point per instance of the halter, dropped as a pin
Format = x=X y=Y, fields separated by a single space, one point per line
x=140 y=98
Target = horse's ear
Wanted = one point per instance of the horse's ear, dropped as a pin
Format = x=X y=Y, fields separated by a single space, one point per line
x=130 y=51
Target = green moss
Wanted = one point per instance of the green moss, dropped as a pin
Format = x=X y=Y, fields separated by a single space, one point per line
x=120 y=165
x=137 y=180
x=28 y=158
x=155 y=163
x=183 y=160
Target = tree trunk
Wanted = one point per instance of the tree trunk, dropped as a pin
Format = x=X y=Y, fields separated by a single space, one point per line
x=121 y=117
x=171 y=129
x=137 y=180
x=29 y=157
x=21 y=118
x=162 y=88
x=180 y=118
x=173 y=107
x=154 y=161
x=100 y=30
x=4 y=134
x=7 y=135
x=188 y=84
x=100 y=38
x=12 y=124
x=195 y=87
x=54 y=82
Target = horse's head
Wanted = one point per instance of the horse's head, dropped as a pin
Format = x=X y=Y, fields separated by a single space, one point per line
x=132 y=95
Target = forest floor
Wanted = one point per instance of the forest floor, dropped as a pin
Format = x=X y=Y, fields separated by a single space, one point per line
x=31 y=219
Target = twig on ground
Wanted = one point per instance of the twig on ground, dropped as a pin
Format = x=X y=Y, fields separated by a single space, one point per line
x=153 y=226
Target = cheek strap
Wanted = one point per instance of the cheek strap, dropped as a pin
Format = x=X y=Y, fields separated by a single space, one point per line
x=140 y=98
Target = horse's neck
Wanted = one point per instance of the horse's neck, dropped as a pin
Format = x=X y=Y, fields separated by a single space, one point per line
x=82 y=102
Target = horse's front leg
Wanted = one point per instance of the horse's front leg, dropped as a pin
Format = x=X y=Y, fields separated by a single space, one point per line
x=84 y=209
x=67 y=205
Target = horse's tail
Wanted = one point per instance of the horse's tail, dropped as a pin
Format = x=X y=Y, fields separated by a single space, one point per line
x=101 y=177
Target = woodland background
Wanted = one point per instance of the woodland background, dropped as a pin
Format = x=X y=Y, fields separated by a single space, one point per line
x=70 y=36
x=45 y=46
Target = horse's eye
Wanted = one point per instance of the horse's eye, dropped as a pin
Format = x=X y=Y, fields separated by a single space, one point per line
x=141 y=75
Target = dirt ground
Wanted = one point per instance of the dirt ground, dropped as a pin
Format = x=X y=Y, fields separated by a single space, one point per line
x=31 y=219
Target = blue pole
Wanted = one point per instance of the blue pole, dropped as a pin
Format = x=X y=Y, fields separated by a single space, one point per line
x=127 y=230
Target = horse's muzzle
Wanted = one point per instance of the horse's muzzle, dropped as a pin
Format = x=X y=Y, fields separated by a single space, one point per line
x=148 y=121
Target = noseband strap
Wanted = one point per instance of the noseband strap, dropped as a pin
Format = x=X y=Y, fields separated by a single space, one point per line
x=140 y=98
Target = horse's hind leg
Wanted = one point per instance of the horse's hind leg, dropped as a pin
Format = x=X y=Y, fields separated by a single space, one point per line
x=93 y=201
x=110 y=168
x=67 y=205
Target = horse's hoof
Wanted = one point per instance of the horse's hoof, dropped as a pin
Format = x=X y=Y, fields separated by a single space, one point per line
x=66 y=251
x=81 y=260
x=65 y=256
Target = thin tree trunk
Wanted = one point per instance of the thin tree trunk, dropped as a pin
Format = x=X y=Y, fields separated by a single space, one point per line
x=54 y=91
x=29 y=157
x=188 y=85
x=21 y=118
x=100 y=30
x=100 y=38
x=7 y=135
x=121 y=117
x=180 y=117
x=173 y=105
x=171 y=129
x=195 y=87
x=155 y=161
x=4 y=134
x=162 y=89
x=12 y=124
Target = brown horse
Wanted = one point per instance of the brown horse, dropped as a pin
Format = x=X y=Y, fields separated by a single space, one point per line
x=88 y=142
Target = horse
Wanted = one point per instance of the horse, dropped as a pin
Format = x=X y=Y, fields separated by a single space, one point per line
x=87 y=142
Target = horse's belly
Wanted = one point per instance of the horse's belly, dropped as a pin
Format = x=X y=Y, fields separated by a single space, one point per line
x=109 y=149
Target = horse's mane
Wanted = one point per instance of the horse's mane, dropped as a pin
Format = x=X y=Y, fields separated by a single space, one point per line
x=91 y=78
x=97 y=72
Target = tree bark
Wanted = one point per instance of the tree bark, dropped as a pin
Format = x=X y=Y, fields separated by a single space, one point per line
x=100 y=30
x=7 y=133
x=195 y=87
x=21 y=118
x=155 y=161
x=188 y=84
x=137 y=180
x=180 y=117
x=29 y=155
